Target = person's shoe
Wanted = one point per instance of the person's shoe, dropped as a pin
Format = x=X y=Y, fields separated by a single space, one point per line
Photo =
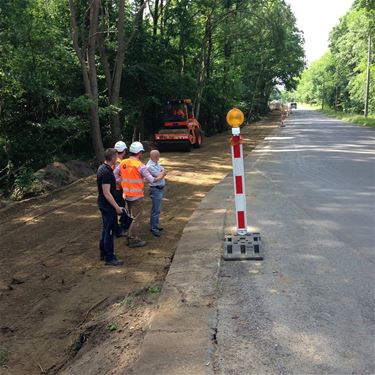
x=156 y=233
x=136 y=243
x=157 y=229
x=114 y=262
x=121 y=234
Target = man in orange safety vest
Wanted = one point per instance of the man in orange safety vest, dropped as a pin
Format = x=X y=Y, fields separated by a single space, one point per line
x=132 y=173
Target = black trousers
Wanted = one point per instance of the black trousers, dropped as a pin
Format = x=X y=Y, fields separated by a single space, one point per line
x=109 y=220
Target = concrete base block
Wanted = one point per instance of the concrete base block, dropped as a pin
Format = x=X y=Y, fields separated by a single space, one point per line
x=243 y=247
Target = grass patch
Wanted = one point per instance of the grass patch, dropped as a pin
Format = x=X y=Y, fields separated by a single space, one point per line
x=154 y=290
x=349 y=117
x=128 y=301
x=4 y=357
x=112 y=327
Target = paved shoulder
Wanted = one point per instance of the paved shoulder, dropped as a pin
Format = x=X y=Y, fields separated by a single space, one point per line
x=180 y=339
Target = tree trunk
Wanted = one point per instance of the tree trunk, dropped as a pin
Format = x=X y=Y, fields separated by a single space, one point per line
x=227 y=48
x=105 y=63
x=181 y=50
x=162 y=19
x=209 y=54
x=86 y=56
x=202 y=73
x=114 y=79
x=95 y=133
x=155 y=18
x=141 y=126
x=255 y=92
x=139 y=129
x=117 y=72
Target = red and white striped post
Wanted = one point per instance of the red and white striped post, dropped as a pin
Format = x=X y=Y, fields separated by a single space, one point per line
x=242 y=245
x=235 y=119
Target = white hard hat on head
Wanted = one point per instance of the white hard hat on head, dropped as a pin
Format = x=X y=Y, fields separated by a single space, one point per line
x=120 y=146
x=136 y=147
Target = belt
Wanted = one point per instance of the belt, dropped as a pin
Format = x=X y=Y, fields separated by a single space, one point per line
x=158 y=187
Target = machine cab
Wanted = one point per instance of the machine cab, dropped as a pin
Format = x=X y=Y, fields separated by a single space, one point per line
x=180 y=128
x=178 y=112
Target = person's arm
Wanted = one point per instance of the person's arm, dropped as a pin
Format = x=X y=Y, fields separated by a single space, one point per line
x=116 y=172
x=145 y=173
x=162 y=169
x=107 y=193
x=153 y=170
x=160 y=176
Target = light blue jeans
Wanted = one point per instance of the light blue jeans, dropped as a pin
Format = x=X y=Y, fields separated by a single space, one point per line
x=156 y=197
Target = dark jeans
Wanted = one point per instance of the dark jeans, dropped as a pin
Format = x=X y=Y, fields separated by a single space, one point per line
x=119 y=198
x=109 y=218
x=120 y=201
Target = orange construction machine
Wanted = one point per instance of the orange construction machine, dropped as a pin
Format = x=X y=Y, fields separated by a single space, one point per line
x=180 y=128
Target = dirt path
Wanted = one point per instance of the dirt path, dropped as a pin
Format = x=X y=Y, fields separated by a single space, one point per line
x=59 y=304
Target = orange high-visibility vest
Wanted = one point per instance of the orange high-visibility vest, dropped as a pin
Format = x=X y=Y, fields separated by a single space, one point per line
x=118 y=161
x=131 y=180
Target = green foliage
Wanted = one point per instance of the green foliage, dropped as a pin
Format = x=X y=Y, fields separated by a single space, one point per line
x=39 y=79
x=338 y=79
x=218 y=53
x=355 y=119
x=81 y=104
x=349 y=117
x=154 y=290
x=4 y=357
x=24 y=177
x=25 y=184
x=128 y=300
x=112 y=327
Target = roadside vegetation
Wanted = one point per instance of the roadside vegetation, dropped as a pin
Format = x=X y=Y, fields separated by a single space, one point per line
x=337 y=82
x=368 y=121
x=76 y=75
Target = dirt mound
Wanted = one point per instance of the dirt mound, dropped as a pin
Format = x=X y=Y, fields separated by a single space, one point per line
x=51 y=177
x=57 y=175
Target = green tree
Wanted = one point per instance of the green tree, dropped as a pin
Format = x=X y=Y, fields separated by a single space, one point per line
x=102 y=70
x=338 y=79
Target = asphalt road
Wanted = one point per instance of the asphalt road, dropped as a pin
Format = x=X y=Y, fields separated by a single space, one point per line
x=308 y=308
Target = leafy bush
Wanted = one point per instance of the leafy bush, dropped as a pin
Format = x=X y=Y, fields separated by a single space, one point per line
x=26 y=184
x=4 y=356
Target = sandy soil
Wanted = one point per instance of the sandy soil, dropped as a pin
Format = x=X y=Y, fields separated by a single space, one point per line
x=61 y=310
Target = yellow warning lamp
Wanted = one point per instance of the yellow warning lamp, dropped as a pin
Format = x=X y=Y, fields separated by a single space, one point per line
x=235 y=118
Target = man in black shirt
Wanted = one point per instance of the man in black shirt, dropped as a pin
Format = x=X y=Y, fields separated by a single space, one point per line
x=108 y=207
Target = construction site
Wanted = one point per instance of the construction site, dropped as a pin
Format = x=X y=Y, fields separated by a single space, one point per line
x=187 y=187
x=61 y=310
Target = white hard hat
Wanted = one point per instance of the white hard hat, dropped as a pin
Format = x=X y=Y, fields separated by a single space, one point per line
x=120 y=146
x=136 y=147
